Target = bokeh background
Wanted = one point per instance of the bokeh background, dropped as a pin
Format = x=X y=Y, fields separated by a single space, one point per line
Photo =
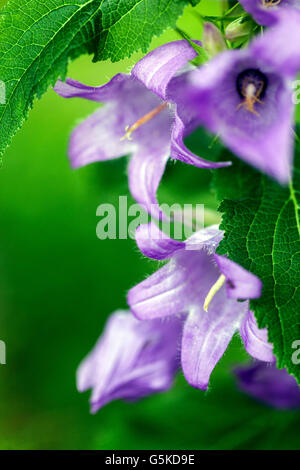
x=59 y=283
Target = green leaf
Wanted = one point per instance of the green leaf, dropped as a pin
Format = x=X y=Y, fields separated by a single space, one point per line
x=38 y=37
x=202 y=57
x=36 y=40
x=262 y=233
x=129 y=25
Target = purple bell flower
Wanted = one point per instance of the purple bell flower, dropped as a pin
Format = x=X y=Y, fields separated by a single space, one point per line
x=270 y=385
x=131 y=360
x=204 y=287
x=139 y=118
x=246 y=97
x=268 y=12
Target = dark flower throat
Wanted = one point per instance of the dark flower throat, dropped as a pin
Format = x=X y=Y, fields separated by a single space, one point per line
x=251 y=85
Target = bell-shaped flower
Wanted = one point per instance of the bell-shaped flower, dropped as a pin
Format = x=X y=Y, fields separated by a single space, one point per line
x=139 y=118
x=205 y=287
x=131 y=360
x=274 y=387
x=245 y=96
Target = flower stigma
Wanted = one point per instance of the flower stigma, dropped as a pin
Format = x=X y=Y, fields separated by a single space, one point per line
x=143 y=120
x=270 y=3
x=251 y=86
x=214 y=289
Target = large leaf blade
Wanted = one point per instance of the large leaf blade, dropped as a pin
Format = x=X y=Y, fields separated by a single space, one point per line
x=262 y=233
x=36 y=40
x=129 y=25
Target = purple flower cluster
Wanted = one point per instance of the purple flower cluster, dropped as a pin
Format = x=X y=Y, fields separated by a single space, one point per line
x=185 y=314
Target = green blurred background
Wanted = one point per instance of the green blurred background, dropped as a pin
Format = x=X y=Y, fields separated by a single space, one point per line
x=59 y=283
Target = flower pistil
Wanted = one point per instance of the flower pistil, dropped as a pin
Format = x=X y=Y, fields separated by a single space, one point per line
x=143 y=120
x=214 y=289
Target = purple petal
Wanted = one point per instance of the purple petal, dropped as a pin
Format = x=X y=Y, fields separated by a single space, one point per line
x=206 y=336
x=185 y=122
x=111 y=91
x=256 y=339
x=180 y=152
x=132 y=359
x=145 y=171
x=155 y=244
x=276 y=52
x=270 y=385
x=206 y=239
x=98 y=138
x=183 y=282
x=241 y=284
x=272 y=152
x=161 y=294
x=158 y=67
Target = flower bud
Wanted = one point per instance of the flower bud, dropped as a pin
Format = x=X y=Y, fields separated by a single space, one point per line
x=238 y=28
x=213 y=41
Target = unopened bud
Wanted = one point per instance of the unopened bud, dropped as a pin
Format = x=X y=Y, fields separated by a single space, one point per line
x=213 y=41
x=238 y=28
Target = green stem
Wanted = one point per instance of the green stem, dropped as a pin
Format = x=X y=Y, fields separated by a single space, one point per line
x=231 y=9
